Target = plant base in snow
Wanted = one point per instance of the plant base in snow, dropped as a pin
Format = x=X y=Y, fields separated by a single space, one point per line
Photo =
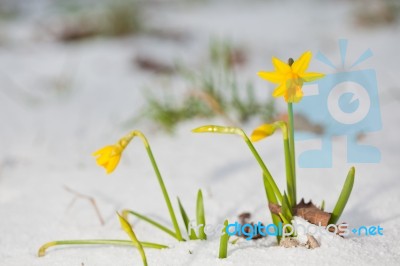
x=292 y=242
x=307 y=211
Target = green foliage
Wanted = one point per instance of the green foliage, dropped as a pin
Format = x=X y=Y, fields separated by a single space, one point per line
x=186 y=221
x=148 y=220
x=223 y=242
x=344 y=196
x=211 y=91
x=201 y=219
x=81 y=20
x=128 y=229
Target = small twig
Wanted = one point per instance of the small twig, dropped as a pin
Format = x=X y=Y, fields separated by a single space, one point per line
x=212 y=104
x=89 y=198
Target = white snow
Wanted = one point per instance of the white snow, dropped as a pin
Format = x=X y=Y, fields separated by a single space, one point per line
x=47 y=136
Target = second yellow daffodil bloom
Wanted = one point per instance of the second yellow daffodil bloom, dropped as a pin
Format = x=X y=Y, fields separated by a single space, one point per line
x=110 y=155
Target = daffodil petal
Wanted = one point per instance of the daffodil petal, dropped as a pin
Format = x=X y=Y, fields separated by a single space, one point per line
x=274 y=77
x=112 y=164
x=300 y=65
x=280 y=90
x=105 y=149
x=311 y=76
x=262 y=132
x=280 y=66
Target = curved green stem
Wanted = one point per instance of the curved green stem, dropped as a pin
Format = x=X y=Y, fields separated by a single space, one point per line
x=240 y=132
x=42 y=250
x=268 y=175
x=161 y=182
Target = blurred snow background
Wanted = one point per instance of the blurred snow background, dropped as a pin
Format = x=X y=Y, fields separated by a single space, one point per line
x=69 y=84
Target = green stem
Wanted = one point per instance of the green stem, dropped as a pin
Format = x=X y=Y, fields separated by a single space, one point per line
x=162 y=185
x=266 y=172
x=125 y=213
x=271 y=199
x=289 y=174
x=292 y=150
x=42 y=250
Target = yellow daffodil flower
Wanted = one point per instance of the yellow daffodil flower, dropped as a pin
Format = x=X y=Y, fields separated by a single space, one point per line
x=290 y=77
x=267 y=130
x=109 y=156
x=262 y=132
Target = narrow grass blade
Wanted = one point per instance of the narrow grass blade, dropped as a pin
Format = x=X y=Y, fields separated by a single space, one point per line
x=201 y=220
x=43 y=248
x=128 y=229
x=235 y=241
x=223 y=242
x=286 y=209
x=271 y=199
x=150 y=221
x=185 y=218
x=323 y=205
x=344 y=196
x=186 y=221
x=285 y=220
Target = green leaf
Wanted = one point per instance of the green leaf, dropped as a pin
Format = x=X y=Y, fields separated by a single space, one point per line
x=150 y=221
x=43 y=248
x=271 y=199
x=201 y=220
x=285 y=220
x=286 y=209
x=240 y=132
x=223 y=242
x=344 y=196
x=128 y=229
x=323 y=205
x=186 y=221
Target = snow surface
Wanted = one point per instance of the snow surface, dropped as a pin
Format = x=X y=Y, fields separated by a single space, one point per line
x=48 y=134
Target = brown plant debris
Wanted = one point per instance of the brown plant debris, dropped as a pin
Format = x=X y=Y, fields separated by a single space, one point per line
x=289 y=242
x=152 y=65
x=244 y=218
x=312 y=242
x=307 y=211
x=91 y=200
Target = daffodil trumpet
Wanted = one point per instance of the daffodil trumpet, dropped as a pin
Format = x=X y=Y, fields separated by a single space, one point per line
x=109 y=157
